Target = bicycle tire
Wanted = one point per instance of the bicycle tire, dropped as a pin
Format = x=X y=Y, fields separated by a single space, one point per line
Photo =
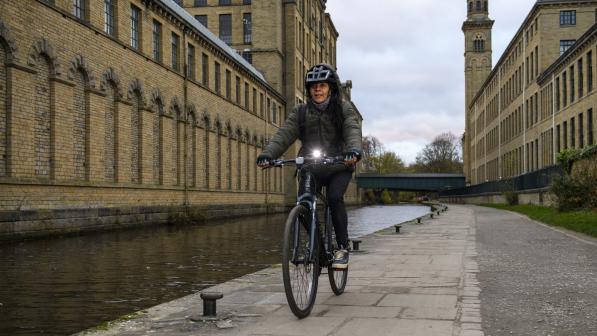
x=337 y=277
x=301 y=277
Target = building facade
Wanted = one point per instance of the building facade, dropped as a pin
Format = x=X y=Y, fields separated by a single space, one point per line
x=121 y=112
x=539 y=97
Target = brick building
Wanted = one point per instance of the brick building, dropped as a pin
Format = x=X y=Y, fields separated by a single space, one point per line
x=538 y=99
x=124 y=112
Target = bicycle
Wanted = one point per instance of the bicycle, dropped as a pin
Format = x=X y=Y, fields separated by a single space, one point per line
x=308 y=245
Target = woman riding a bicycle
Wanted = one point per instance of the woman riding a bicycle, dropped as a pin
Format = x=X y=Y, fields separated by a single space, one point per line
x=329 y=124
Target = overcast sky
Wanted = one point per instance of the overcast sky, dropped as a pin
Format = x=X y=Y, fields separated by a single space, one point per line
x=405 y=59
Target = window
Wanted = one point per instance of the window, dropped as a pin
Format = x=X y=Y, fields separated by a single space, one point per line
x=204 y=69
x=175 y=52
x=246 y=96
x=238 y=90
x=79 y=9
x=228 y=83
x=558 y=145
x=564 y=45
x=202 y=19
x=248 y=56
x=226 y=28
x=581 y=131
x=565 y=135
x=109 y=17
x=191 y=61
x=590 y=127
x=564 y=90
x=254 y=101
x=200 y=3
x=478 y=45
x=178 y=2
x=135 y=27
x=478 y=5
x=470 y=6
x=224 y=2
x=568 y=18
x=580 y=78
x=157 y=41
x=246 y=2
x=247 y=34
x=572 y=133
x=572 y=84
x=589 y=71
x=557 y=94
x=273 y=117
x=217 y=76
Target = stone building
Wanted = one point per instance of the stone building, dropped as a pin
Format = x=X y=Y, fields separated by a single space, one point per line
x=282 y=39
x=124 y=112
x=539 y=97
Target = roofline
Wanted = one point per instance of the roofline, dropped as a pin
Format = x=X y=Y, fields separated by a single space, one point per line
x=569 y=54
x=190 y=22
x=329 y=17
x=532 y=12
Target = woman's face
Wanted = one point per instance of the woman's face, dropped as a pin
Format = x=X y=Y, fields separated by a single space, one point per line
x=319 y=92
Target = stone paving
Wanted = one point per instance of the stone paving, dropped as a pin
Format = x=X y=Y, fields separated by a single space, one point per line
x=421 y=282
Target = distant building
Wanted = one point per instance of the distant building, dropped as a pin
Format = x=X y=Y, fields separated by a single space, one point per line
x=539 y=98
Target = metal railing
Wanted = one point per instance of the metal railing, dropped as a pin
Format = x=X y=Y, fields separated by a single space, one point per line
x=534 y=180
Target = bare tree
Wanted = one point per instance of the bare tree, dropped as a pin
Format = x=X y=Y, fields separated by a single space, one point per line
x=440 y=156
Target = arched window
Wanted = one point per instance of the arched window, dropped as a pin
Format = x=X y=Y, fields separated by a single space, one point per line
x=136 y=136
x=42 y=118
x=479 y=43
x=158 y=144
x=479 y=5
x=3 y=108
x=485 y=7
x=192 y=149
x=177 y=116
x=80 y=127
x=111 y=138
x=470 y=6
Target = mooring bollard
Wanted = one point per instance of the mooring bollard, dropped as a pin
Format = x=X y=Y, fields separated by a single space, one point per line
x=431 y=215
x=209 y=302
x=419 y=220
x=355 y=244
x=398 y=226
x=438 y=212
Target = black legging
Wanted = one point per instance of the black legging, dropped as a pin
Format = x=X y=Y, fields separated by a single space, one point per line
x=336 y=182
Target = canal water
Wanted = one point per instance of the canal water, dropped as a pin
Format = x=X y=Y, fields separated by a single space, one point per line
x=62 y=286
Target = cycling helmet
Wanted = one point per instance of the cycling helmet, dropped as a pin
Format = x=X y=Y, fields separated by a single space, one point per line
x=321 y=73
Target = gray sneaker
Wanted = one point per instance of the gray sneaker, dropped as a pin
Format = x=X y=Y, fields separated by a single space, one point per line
x=340 y=259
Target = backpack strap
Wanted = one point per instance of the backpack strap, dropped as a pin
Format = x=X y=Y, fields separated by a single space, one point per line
x=302 y=121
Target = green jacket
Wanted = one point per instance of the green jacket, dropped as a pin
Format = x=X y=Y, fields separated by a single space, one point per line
x=320 y=133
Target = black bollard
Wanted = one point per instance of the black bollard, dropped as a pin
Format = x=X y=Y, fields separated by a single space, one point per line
x=209 y=302
x=398 y=226
x=355 y=244
x=431 y=215
x=419 y=220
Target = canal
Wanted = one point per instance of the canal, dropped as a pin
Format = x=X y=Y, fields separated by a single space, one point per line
x=62 y=286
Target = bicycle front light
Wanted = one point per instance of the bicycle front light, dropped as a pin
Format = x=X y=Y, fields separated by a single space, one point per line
x=317 y=153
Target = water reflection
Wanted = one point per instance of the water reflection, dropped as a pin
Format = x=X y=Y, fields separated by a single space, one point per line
x=61 y=286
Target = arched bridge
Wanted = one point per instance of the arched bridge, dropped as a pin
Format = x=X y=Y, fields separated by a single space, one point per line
x=410 y=182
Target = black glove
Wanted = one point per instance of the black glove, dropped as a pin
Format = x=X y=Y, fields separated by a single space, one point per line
x=263 y=160
x=352 y=154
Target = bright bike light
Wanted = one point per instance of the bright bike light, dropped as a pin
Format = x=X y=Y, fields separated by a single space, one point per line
x=317 y=153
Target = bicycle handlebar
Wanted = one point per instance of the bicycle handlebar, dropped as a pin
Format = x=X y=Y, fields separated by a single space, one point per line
x=299 y=161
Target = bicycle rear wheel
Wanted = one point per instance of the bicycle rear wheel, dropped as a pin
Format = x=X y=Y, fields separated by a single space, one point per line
x=338 y=278
x=299 y=273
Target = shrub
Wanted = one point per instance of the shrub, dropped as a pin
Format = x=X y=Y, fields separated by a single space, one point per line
x=576 y=191
x=385 y=197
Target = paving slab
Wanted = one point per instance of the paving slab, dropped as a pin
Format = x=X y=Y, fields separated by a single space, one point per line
x=421 y=282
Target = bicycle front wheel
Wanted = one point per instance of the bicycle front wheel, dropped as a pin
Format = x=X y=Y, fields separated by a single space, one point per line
x=299 y=273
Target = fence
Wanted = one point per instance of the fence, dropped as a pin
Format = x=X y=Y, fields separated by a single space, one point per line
x=535 y=180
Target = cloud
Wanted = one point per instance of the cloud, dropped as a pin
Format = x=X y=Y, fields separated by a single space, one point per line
x=405 y=59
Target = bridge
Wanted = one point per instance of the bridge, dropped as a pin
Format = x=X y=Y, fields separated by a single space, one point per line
x=410 y=182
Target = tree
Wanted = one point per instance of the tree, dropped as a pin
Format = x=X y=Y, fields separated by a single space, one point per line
x=372 y=148
x=440 y=156
x=387 y=163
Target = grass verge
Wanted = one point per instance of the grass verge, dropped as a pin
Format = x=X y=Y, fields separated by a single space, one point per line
x=584 y=221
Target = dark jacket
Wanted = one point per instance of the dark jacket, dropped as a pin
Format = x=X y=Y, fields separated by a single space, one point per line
x=320 y=133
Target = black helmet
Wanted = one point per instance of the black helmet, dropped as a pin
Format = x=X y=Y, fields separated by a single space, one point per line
x=322 y=73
